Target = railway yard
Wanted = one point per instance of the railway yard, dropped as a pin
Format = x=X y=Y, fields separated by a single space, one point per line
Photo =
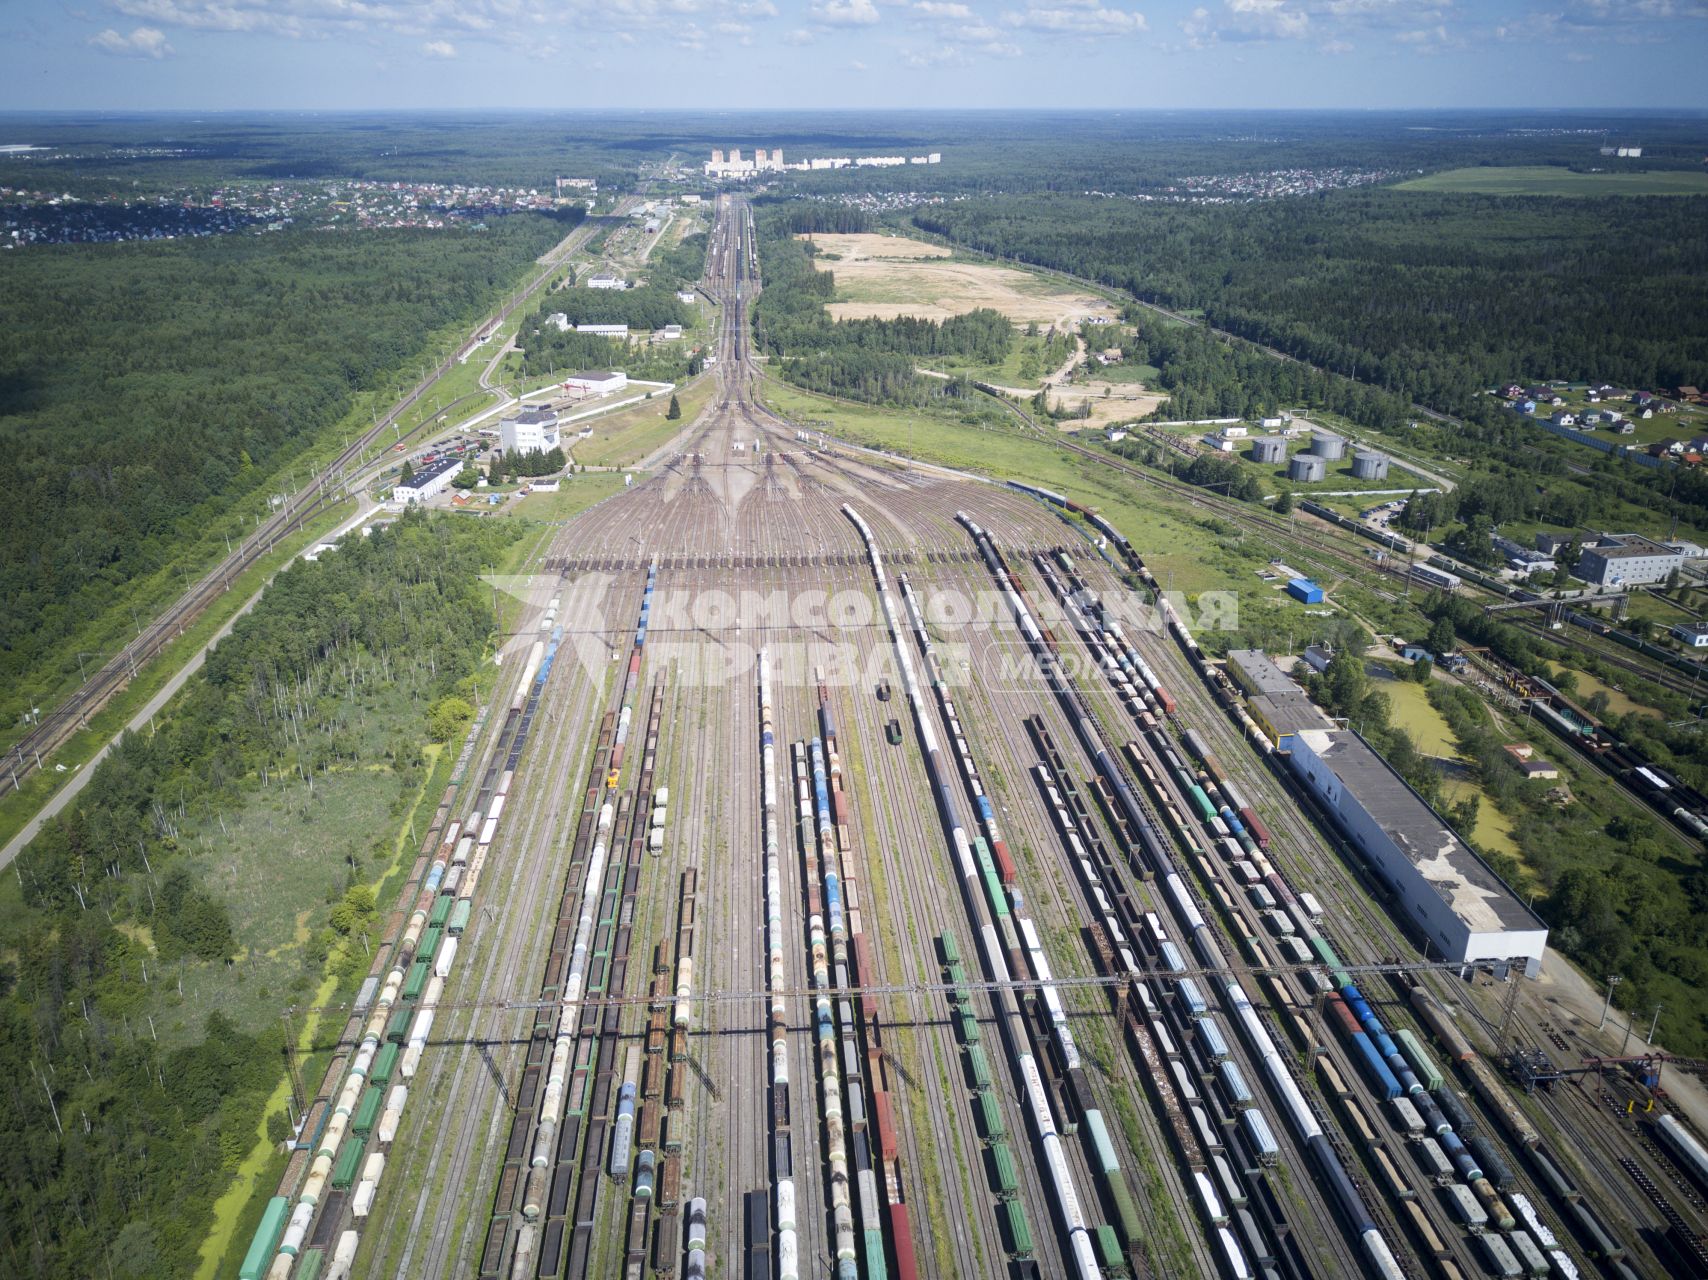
x=842 y=885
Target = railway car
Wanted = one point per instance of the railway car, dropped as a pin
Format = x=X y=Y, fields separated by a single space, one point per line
x=1465 y=1206
x=1684 y=1148
x=1432 y=1159
x=1531 y=1258
x=1498 y=1257
x=1260 y=1140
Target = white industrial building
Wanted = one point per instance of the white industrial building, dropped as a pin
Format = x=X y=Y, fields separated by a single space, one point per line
x=1447 y=893
x=733 y=166
x=606 y=282
x=427 y=482
x=604 y=330
x=531 y=431
x=595 y=383
x=1626 y=560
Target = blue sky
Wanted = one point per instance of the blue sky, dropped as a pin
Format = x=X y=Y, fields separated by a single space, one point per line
x=330 y=54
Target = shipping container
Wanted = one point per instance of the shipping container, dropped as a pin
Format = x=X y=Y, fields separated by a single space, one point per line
x=1422 y=1062
x=266 y=1240
x=1108 y=1247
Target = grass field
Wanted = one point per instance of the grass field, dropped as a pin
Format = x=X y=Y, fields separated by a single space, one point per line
x=1526 y=180
x=893 y=276
x=237 y=1212
x=624 y=438
x=1189 y=550
x=575 y=494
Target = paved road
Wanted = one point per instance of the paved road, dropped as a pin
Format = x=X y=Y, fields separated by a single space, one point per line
x=69 y=791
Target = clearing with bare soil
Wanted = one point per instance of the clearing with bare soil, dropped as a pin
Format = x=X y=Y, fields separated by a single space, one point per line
x=886 y=276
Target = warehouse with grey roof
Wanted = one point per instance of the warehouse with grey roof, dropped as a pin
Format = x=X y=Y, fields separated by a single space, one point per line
x=1449 y=894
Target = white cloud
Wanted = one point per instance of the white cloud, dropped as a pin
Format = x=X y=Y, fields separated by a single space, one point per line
x=798 y=37
x=1248 y=20
x=845 y=13
x=856 y=65
x=439 y=49
x=757 y=9
x=941 y=9
x=1335 y=47
x=143 y=42
x=1429 y=39
x=1094 y=21
x=208 y=15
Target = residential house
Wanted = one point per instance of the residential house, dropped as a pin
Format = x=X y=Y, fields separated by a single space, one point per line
x=1511 y=391
x=1526 y=406
x=1665 y=448
x=1565 y=419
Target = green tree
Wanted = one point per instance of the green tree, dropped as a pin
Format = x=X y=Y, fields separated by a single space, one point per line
x=675 y=410
x=467 y=478
x=448 y=718
x=1284 y=503
x=1441 y=636
x=406 y=473
x=1420 y=671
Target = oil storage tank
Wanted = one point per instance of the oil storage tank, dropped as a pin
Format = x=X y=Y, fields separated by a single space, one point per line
x=1328 y=446
x=1307 y=468
x=1269 y=449
x=1367 y=464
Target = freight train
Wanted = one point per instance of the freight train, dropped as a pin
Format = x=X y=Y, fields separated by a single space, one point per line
x=1201 y=937
x=1058 y=1179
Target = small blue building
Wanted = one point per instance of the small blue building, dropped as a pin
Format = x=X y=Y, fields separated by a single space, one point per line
x=1305 y=590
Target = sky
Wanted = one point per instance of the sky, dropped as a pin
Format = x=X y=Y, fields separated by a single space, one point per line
x=360 y=54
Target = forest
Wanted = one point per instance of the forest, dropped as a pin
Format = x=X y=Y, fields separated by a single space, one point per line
x=147 y=389
x=650 y=307
x=1614 y=890
x=1433 y=297
x=113 y=1144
